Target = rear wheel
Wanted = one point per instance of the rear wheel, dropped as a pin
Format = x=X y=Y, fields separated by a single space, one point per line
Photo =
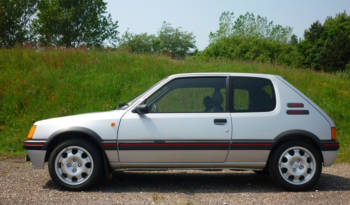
x=75 y=165
x=261 y=172
x=296 y=166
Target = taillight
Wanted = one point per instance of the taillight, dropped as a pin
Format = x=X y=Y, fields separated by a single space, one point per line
x=295 y=105
x=334 y=133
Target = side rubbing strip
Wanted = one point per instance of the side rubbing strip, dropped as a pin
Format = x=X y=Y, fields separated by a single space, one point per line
x=109 y=145
x=182 y=145
x=173 y=146
x=297 y=112
x=251 y=146
x=33 y=145
x=292 y=105
x=329 y=145
x=325 y=145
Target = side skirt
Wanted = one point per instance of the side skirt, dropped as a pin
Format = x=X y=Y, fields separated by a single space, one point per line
x=228 y=165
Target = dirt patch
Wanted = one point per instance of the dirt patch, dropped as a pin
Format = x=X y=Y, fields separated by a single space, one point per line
x=20 y=184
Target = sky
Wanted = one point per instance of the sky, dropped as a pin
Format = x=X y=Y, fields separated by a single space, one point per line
x=202 y=16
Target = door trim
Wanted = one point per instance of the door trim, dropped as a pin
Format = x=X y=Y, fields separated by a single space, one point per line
x=173 y=144
x=195 y=144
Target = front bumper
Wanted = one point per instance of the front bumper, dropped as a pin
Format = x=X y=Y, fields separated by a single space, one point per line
x=36 y=152
x=37 y=157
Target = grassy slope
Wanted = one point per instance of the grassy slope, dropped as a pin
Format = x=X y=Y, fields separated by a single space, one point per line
x=41 y=84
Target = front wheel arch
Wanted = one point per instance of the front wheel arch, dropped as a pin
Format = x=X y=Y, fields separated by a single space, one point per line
x=92 y=157
x=56 y=139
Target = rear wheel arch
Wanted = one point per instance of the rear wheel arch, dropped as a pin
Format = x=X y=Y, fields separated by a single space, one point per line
x=296 y=135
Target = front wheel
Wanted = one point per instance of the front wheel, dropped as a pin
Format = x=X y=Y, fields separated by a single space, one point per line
x=296 y=166
x=75 y=164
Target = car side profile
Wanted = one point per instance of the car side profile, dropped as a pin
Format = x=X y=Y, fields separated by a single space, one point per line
x=193 y=121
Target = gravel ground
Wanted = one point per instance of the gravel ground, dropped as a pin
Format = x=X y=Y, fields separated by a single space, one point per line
x=20 y=184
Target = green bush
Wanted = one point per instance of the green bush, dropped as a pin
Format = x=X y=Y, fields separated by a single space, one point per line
x=169 y=41
x=254 y=49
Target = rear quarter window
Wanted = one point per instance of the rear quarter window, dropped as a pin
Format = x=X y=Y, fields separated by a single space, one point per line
x=251 y=94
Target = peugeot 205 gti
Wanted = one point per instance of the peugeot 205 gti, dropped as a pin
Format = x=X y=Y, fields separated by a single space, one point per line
x=194 y=121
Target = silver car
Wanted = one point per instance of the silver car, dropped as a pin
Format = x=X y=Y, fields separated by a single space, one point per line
x=194 y=121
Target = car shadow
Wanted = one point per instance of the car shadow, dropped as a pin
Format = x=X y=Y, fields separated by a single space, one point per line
x=202 y=182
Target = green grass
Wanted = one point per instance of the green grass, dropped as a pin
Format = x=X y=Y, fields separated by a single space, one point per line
x=39 y=84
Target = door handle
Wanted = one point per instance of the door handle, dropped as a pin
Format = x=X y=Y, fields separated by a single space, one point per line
x=159 y=141
x=220 y=121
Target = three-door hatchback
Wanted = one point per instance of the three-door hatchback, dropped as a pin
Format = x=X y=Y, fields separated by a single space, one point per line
x=194 y=121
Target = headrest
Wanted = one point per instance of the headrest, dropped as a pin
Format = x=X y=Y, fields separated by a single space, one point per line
x=208 y=102
x=217 y=97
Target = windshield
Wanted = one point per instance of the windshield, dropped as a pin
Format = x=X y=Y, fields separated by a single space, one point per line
x=139 y=96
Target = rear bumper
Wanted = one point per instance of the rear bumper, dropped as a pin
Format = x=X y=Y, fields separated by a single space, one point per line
x=36 y=152
x=329 y=157
x=329 y=150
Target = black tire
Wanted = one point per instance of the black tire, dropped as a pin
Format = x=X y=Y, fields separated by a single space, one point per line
x=287 y=182
x=262 y=172
x=95 y=169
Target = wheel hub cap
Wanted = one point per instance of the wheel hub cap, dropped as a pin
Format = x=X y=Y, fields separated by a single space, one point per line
x=74 y=165
x=297 y=165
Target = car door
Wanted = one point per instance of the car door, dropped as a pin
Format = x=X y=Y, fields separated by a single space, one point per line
x=187 y=122
x=254 y=119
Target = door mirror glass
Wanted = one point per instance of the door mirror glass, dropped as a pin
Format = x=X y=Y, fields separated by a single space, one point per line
x=122 y=105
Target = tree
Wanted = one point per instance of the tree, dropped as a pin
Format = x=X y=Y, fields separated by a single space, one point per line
x=139 y=43
x=75 y=23
x=250 y=25
x=253 y=37
x=327 y=47
x=314 y=33
x=336 y=42
x=169 y=40
x=15 y=19
x=226 y=23
x=175 y=41
x=294 y=40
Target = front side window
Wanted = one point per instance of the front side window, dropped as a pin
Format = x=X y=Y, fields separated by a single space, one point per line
x=190 y=95
x=252 y=94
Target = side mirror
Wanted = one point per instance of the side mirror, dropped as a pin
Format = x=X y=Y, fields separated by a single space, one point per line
x=122 y=104
x=141 y=109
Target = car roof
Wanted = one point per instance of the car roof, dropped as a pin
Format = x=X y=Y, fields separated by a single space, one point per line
x=209 y=74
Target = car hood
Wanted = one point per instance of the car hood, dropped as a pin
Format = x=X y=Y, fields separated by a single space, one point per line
x=77 y=119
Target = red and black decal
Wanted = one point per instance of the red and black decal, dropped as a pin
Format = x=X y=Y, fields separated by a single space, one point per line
x=329 y=145
x=196 y=145
x=266 y=145
x=33 y=145
x=109 y=145
x=298 y=112
x=295 y=105
x=174 y=146
x=325 y=145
